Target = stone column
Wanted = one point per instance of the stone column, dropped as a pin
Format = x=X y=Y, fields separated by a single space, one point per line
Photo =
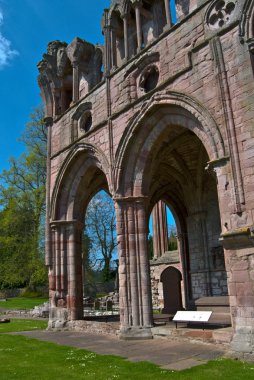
x=62 y=98
x=57 y=236
x=113 y=48
x=125 y=26
x=239 y=258
x=160 y=229
x=137 y=6
x=74 y=264
x=168 y=13
x=181 y=243
x=75 y=83
x=57 y=102
x=63 y=264
x=59 y=263
x=58 y=277
x=106 y=30
x=238 y=242
x=51 y=270
x=134 y=271
x=48 y=253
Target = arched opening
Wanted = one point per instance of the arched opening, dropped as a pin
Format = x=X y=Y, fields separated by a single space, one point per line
x=117 y=39
x=99 y=247
x=165 y=250
x=82 y=175
x=86 y=121
x=179 y=173
x=171 y=280
x=170 y=163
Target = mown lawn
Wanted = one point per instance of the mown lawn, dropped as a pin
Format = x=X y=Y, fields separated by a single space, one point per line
x=24 y=358
x=22 y=325
x=22 y=303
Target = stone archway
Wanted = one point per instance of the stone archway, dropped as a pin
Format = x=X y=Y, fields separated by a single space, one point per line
x=171 y=279
x=83 y=173
x=165 y=154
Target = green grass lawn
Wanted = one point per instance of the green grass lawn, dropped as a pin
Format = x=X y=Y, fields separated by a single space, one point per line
x=24 y=358
x=22 y=325
x=22 y=303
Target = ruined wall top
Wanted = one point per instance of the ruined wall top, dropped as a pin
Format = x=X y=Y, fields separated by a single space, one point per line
x=67 y=71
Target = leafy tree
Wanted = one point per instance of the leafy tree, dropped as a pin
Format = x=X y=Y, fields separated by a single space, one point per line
x=22 y=202
x=100 y=228
x=172 y=237
x=150 y=247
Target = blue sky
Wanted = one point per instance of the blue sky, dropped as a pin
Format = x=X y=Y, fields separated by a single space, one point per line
x=26 y=27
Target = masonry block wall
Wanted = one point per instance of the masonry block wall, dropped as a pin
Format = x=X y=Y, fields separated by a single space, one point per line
x=171 y=119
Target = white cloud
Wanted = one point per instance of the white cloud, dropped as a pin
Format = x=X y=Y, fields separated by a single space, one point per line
x=6 y=52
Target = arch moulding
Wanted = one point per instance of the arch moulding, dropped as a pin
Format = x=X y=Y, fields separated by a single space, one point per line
x=88 y=150
x=206 y=128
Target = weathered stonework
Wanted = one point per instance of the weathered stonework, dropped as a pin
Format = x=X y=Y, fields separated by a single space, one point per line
x=170 y=119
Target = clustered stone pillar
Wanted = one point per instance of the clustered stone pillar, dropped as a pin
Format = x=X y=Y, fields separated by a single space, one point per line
x=57 y=106
x=134 y=273
x=65 y=274
x=74 y=264
x=137 y=6
x=48 y=254
x=168 y=13
x=75 y=89
x=160 y=229
x=241 y=294
x=125 y=26
x=113 y=47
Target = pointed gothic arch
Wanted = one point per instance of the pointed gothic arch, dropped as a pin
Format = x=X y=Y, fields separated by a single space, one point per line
x=81 y=165
x=169 y=108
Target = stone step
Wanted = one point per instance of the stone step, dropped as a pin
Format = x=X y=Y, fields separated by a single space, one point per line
x=220 y=319
x=209 y=334
x=212 y=301
x=216 y=309
x=214 y=304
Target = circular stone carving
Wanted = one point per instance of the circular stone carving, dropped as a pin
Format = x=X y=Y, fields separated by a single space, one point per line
x=220 y=13
x=149 y=79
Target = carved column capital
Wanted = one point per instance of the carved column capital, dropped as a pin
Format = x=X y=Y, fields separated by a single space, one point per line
x=131 y=199
x=137 y=3
x=124 y=16
x=68 y=224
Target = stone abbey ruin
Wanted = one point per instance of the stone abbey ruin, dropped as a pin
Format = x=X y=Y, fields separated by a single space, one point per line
x=162 y=114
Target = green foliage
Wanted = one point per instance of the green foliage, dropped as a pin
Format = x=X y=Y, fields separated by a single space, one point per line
x=100 y=295
x=29 y=293
x=150 y=247
x=100 y=236
x=172 y=238
x=22 y=202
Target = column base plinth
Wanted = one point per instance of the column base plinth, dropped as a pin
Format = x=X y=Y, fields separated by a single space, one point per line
x=58 y=318
x=242 y=345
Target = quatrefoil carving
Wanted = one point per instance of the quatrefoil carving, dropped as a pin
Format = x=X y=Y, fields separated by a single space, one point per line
x=220 y=13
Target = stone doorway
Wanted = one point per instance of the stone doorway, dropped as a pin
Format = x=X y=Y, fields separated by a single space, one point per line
x=171 y=281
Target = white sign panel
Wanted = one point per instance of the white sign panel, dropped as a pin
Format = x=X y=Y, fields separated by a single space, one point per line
x=192 y=316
